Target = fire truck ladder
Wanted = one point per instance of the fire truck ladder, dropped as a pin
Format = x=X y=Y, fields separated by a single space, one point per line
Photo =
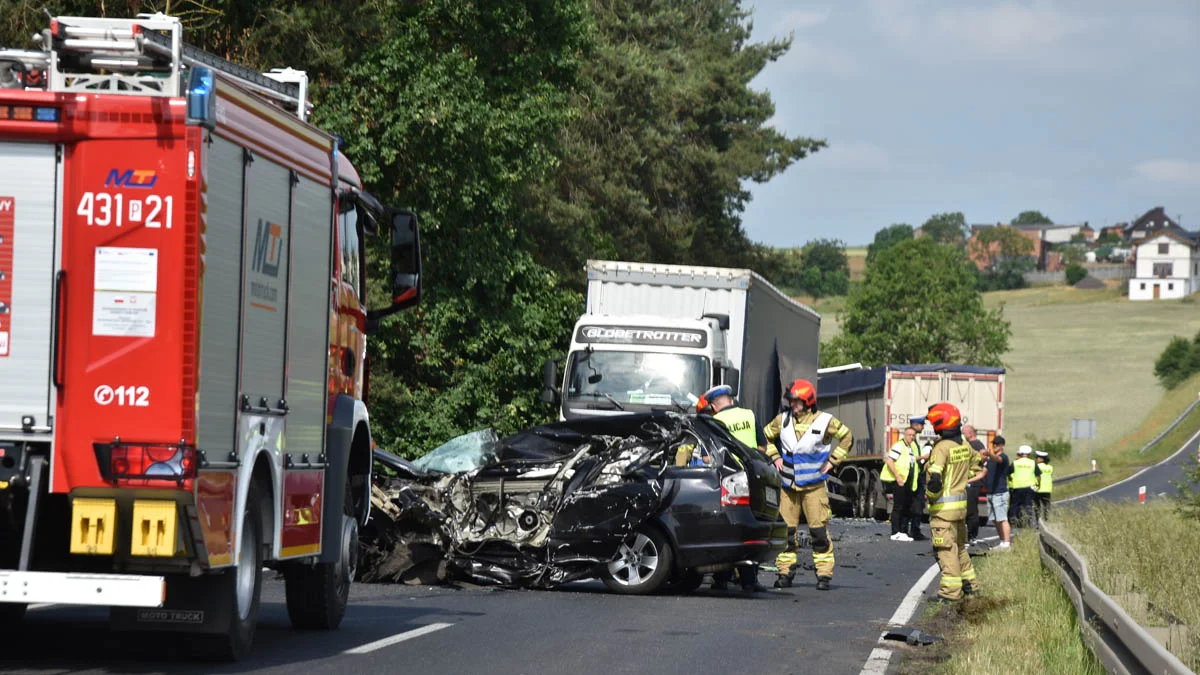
x=145 y=56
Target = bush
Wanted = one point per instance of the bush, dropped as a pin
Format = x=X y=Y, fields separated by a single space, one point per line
x=1179 y=361
x=1187 y=502
x=1075 y=273
x=1058 y=448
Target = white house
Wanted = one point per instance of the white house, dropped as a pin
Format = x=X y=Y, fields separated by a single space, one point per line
x=1168 y=265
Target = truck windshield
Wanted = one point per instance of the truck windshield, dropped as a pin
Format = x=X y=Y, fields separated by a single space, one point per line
x=622 y=380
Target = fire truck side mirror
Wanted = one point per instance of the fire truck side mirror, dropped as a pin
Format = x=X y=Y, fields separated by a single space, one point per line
x=406 y=259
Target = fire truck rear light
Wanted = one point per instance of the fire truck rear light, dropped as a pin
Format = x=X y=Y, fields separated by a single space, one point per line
x=147 y=461
x=46 y=114
x=22 y=113
x=735 y=490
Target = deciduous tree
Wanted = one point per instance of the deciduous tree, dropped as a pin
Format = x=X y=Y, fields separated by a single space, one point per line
x=946 y=228
x=918 y=304
x=887 y=238
x=1031 y=218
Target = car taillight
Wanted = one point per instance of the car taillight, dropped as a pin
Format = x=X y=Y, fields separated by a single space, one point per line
x=148 y=461
x=735 y=490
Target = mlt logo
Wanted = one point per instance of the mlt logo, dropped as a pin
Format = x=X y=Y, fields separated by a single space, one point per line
x=267 y=248
x=131 y=178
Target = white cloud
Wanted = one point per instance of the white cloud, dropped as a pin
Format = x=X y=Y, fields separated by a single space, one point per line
x=799 y=19
x=852 y=156
x=1006 y=29
x=1170 y=171
x=806 y=57
x=1037 y=33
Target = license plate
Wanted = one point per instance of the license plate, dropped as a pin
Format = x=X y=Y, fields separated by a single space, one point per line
x=773 y=497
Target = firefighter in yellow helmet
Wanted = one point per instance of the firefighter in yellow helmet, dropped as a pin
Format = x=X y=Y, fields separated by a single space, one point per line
x=802 y=441
x=948 y=470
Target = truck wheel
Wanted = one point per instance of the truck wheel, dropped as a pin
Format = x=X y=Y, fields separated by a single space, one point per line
x=874 y=487
x=883 y=504
x=642 y=564
x=317 y=595
x=244 y=584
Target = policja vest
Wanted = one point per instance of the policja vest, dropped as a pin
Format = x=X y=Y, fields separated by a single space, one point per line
x=1024 y=474
x=1047 y=485
x=905 y=464
x=741 y=424
x=803 y=457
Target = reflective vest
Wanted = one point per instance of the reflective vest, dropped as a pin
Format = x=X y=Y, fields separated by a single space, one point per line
x=954 y=463
x=1023 y=475
x=1046 y=482
x=741 y=424
x=904 y=464
x=804 y=454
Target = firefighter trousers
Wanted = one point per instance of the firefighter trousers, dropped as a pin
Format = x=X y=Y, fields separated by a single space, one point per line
x=811 y=503
x=950 y=545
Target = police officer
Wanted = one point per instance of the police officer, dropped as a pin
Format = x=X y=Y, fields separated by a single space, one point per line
x=801 y=442
x=949 y=469
x=741 y=423
x=917 y=503
x=899 y=476
x=1021 y=484
x=1045 y=484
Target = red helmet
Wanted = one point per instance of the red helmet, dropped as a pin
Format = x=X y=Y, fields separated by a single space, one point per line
x=944 y=416
x=802 y=390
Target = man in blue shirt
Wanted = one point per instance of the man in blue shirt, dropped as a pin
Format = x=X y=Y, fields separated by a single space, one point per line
x=999 y=467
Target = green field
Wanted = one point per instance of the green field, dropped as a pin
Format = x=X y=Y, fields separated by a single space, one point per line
x=1078 y=353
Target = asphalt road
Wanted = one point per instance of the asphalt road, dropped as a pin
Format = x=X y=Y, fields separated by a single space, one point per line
x=580 y=628
x=1158 y=480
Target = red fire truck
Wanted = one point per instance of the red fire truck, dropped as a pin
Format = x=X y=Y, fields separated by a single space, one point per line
x=182 y=335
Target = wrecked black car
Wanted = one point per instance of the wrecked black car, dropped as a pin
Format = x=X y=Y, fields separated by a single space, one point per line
x=596 y=497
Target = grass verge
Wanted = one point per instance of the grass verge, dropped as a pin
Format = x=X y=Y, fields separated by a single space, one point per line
x=1147 y=550
x=1023 y=622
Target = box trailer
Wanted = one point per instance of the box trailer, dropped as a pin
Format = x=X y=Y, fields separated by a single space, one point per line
x=655 y=337
x=877 y=404
x=182 y=373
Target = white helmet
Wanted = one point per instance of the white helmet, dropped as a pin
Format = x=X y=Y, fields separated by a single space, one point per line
x=1024 y=450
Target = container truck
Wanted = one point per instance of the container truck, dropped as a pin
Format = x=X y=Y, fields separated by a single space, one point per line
x=877 y=404
x=656 y=337
x=182 y=375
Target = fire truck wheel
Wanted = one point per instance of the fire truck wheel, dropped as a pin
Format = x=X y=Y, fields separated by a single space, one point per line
x=244 y=584
x=317 y=594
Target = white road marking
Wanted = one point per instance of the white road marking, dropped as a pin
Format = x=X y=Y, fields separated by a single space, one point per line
x=398 y=638
x=1172 y=457
x=877 y=662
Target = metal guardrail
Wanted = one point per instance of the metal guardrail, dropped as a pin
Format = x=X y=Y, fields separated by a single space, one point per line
x=1177 y=422
x=1076 y=476
x=1121 y=644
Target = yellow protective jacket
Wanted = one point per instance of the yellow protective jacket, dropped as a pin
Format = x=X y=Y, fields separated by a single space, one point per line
x=954 y=461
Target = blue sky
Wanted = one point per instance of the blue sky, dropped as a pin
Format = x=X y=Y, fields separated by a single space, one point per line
x=1084 y=110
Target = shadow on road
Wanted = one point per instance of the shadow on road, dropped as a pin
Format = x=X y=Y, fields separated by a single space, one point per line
x=71 y=639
